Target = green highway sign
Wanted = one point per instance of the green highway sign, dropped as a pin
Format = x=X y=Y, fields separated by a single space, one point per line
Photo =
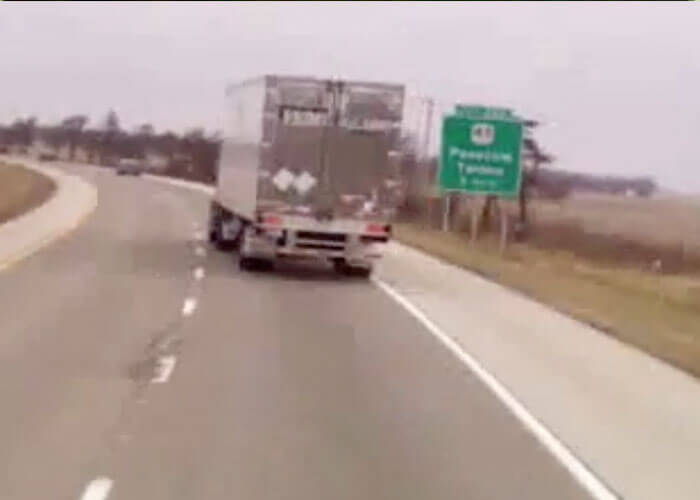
x=481 y=151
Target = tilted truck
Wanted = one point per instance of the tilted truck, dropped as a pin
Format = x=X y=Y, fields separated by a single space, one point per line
x=308 y=168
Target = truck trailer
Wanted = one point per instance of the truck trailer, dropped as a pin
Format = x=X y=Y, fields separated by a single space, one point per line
x=308 y=168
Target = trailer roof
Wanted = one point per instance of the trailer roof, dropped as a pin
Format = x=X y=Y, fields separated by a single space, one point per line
x=311 y=80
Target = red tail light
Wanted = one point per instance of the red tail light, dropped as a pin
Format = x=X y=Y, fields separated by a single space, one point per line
x=272 y=220
x=375 y=228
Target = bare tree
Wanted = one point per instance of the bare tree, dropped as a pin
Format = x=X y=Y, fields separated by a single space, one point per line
x=143 y=135
x=167 y=145
x=23 y=131
x=112 y=121
x=110 y=134
x=73 y=130
x=145 y=130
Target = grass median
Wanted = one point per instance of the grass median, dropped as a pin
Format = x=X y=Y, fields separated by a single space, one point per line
x=657 y=313
x=21 y=190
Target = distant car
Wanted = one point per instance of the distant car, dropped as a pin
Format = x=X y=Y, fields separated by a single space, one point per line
x=129 y=166
x=46 y=156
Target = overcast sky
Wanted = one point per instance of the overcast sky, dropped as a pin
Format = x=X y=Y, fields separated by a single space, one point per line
x=617 y=85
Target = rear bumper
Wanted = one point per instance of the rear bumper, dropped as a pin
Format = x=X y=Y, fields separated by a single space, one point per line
x=289 y=243
x=312 y=253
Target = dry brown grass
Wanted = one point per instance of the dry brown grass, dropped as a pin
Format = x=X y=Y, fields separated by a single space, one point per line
x=663 y=220
x=623 y=231
x=657 y=313
x=21 y=190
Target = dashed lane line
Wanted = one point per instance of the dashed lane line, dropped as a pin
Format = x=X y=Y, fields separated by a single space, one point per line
x=164 y=368
x=189 y=306
x=97 y=489
x=198 y=273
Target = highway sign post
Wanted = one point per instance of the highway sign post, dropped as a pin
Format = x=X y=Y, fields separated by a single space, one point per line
x=481 y=155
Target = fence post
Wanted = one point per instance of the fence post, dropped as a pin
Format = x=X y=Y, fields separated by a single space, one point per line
x=474 y=214
x=504 y=227
x=446 y=213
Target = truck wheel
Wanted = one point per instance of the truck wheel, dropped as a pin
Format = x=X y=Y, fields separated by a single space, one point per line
x=246 y=263
x=213 y=237
x=361 y=272
x=255 y=264
x=217 y=218
x=214 y=224
x=343 y=268
x=235 y=243
x=223 y=245
x=218 y=241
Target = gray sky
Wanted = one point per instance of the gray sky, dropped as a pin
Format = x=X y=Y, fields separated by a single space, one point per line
x=617 y=84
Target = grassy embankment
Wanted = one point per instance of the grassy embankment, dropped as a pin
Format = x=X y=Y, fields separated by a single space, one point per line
x=21 y=190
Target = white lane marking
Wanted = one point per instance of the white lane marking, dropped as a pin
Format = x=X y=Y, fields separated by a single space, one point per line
x=199 y=235
x=199 y=273
x=189 y=306
x=578 y=469
x=97 y=489
x=164 y=368
x=200 y=251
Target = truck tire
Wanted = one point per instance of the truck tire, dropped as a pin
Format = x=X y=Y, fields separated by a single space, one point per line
x=246 y=263
x=343 y=268
x=255 y=264
x=217 y=217
x=214 y=223
x=249 y=262
x=362 y=272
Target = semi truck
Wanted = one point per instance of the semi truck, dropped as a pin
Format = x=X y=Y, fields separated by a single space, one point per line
x=308 y=168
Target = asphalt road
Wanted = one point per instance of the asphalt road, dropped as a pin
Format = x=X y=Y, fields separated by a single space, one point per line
x=131 y=351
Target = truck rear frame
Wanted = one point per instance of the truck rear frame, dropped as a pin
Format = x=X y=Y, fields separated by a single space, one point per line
x=308 y=175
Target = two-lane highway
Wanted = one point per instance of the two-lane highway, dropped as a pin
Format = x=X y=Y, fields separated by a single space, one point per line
x=286 y=385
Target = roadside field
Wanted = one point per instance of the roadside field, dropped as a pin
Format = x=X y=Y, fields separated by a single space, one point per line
x=21 y=189
x=665 y=219
x=623 y=231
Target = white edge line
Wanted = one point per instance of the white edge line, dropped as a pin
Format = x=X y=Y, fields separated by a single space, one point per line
x=199 y=235
x=578 y=469
x=199 y=273
x=164 y=368
x=200 y=251
x=97 y=489
x=189 y=306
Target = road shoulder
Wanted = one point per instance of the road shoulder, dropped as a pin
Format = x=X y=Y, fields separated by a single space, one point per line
x=631 y=418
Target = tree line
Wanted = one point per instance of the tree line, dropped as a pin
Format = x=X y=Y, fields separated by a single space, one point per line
x=191 y=155
x=558 y=184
